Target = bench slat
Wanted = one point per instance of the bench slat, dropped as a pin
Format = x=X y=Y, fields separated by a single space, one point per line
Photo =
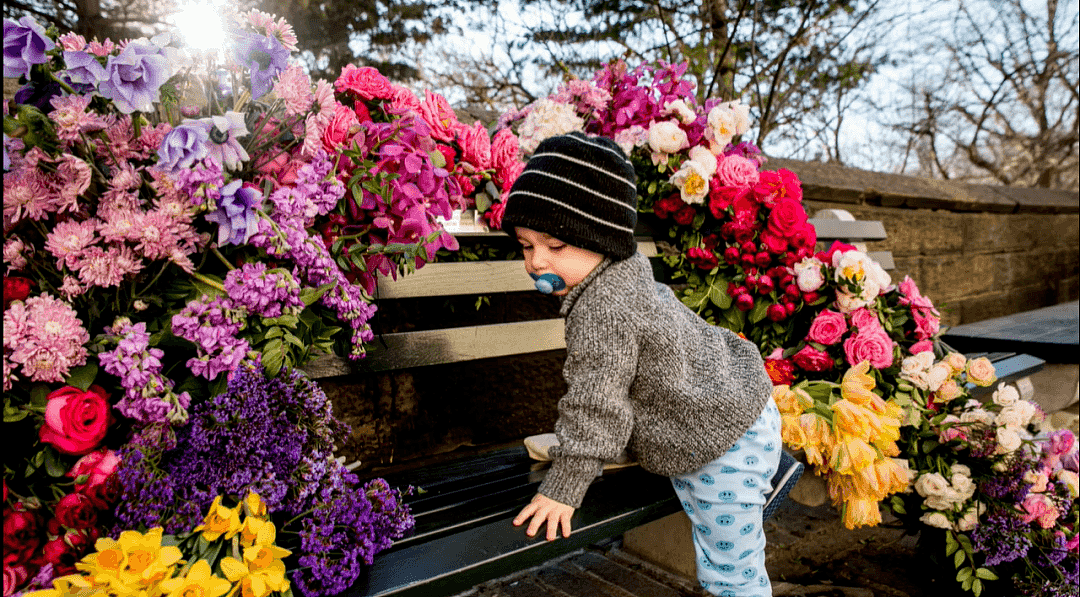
x=858 y=230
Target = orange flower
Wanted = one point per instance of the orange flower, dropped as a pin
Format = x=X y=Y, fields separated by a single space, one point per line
x=819 y=438
x=857 y=513
x=857 y=385
x=791 y=432
x=791 y=401
x=851 y=454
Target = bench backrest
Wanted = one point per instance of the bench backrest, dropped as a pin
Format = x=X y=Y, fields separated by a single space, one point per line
x=404 y=350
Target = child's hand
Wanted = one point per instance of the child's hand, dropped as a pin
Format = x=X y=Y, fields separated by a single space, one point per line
x=542 y=509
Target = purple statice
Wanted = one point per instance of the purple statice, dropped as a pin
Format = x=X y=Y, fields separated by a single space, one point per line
x=264 y=292
x=148 y=395
x=212 y=325
x=237 y=212
x=1002 y=537
x=274 y=436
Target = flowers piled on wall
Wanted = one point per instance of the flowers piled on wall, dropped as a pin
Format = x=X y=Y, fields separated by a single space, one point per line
x=870 y=397
x=183 y=231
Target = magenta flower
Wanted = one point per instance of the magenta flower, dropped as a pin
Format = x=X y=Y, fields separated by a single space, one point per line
x=133 y=78
x=25 y=45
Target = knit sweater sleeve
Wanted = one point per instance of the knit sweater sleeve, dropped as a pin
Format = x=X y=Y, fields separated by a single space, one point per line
x=595 y=415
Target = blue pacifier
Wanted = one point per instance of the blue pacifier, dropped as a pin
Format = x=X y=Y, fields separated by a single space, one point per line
x=548 y=283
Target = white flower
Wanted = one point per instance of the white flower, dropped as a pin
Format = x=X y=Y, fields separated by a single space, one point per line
x=942 y=502
x=964 y=486
x=678 y=107
x=960 y=469
x=666 y=137
x=692 y=181
x=547 y=118
x=978 y=415
x=808 y=274
x=1070 y=480
x=968 y=521
x=704 y=157
x=916 y=369
x=850 y=266
x=1005 y=395
x=938 y=374
x=931 y=484
x=880 y=277
x=1016 y=415
x=936 y=519
x=725 y=121
x=848 y=303
x=1008 y=440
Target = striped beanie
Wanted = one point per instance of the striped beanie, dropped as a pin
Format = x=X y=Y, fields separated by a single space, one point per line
x=581 y=190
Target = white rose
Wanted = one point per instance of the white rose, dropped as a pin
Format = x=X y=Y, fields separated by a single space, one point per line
x=1008 y=440
x=870 y=289
x=1070 y=480
x=931 y=484
x=809 y=279
x=936 y=519
x=968 y=521
x=977 y=415
x=705 y=158
x=848 y=303
x=666 y=137
x=692 y=181
x=964 y=486
x=875 y=272
x=938 y=375
x=941 y=502
x=960 y=469
x=1005 y=395
x=912 y=369
x=681 y=110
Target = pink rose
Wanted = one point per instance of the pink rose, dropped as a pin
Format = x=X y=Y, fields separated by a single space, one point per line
x=926 y=325
x=94 y=469
x=402 y=101
x=865 y=320
x=475 y=145
x=339 y=130
x=436 y=111
x=76 y=421
x=812 y=359
x=14 y=577
x=736 y=171
x=872 y=345
x=921 y=346
x=1038 y=507
x=505 y=149
x=509 y=173
x=366 y=82
x=827 y=328
x=786 y=218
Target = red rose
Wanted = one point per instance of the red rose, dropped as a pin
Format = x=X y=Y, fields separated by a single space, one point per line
x=76 y=421
x=721 y=198
x=805 y=236
x=21 y=536
x=339 y=129
x=685 y=215
x=668 y=205
x=786 y=218
x=812 y=359
x=702 y=258
x=76 y=511
x=780 y=371
x=15 y=289
x=62 y=555
x=366 y=82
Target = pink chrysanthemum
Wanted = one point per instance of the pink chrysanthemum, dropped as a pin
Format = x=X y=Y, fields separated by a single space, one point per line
x=101 y=48
x=52 y=338
x=72 y=42
x=158 y=236
x=99 y=267
x=26 y=195
x=68 y=241
x=71 y=118
x=150 y=138
x=14 y=258
x=72 y=179
x=280 y=28
x=9 y=375
x=294 y=88
x=71 y=287
x=120 y=225
x=117 y=148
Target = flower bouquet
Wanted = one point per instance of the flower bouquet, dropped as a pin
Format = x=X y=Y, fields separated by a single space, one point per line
x=992 y=493
x=163 y=258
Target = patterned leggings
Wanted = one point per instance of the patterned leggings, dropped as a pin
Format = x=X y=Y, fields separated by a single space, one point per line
x=724 y=501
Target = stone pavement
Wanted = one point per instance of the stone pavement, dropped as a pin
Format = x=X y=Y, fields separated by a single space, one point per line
x=810 y=554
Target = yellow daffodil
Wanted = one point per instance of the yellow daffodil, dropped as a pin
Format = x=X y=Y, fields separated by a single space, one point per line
x=220 y=521
x=254 y=506
x=147 y=558
x=251 y=529
x=199 y=581
x=106 y=564
x=857 y=385
x=71 y=586
x=260 y=572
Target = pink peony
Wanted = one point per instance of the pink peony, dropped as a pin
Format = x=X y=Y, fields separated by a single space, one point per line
x=366 y=82
x=812 y=359
x=737 y=171
x=436 y=111
x=873 y=345
x=475 y=146
x=827 y=328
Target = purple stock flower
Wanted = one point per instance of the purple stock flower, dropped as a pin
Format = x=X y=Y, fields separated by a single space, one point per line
x=236 y=215
x=84 y=68
x=264 y=57
x=267 y=293
x=225 y=131
x=133 y=78
x=184 y=145
x=25 y=44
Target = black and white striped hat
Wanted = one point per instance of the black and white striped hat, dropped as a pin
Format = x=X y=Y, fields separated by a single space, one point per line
x=581 y=190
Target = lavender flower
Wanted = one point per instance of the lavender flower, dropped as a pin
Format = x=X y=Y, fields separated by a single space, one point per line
x=84 y=68
x=212 y=325
x=25 y=44
x=134 y=77
x=184 y=145
x=1002 y=537
x=265 y=58
x=237 y=213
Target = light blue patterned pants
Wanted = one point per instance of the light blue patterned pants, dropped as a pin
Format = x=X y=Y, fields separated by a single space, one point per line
x=724 y=501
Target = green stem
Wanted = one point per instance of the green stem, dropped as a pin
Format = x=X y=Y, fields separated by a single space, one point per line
x=164 y=266
x=209 y=282
x=221 y=258
x=66 y=87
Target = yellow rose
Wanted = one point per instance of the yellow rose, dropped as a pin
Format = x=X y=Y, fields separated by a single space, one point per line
x=981 y=372
x=956 y=362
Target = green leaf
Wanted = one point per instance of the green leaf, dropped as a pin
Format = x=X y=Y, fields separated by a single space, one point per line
x=82 y=377
x=39 y=397
x=288 y=320
x=963 y=574
x=761 y=308
x=53 y=467
x=273 y=357
x=12 y=414
x=986 y=574
x=897 y=505
x=976 y=587
x=950 y=544
x=958 y=560
x=291 y=339
x=310 y=295
x=204 y=288
x=483 y=202
x=273 y=332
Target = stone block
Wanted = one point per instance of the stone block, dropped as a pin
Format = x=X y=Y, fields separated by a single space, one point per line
x=1065 y=230
x=984 y=306
x=666 y=543
x=1056 y=386
x=906 y=266
x=989 y=233
x=954 y=276
x=1030 y=200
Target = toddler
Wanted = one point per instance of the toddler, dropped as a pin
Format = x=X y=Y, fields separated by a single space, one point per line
x=644 y=373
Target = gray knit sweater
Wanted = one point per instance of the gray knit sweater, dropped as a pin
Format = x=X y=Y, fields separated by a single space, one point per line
x=647 y=374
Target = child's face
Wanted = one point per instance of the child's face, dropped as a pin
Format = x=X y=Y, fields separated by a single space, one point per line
x=545 y=254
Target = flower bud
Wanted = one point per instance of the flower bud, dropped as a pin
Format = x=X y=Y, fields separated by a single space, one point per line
x=762 y=259
x=765 y=285
x=744 y=302
x=731 y=255
x=749 y=247
x=777 y=312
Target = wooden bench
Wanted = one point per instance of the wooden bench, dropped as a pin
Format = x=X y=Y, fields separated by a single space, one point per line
x=463 y=533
